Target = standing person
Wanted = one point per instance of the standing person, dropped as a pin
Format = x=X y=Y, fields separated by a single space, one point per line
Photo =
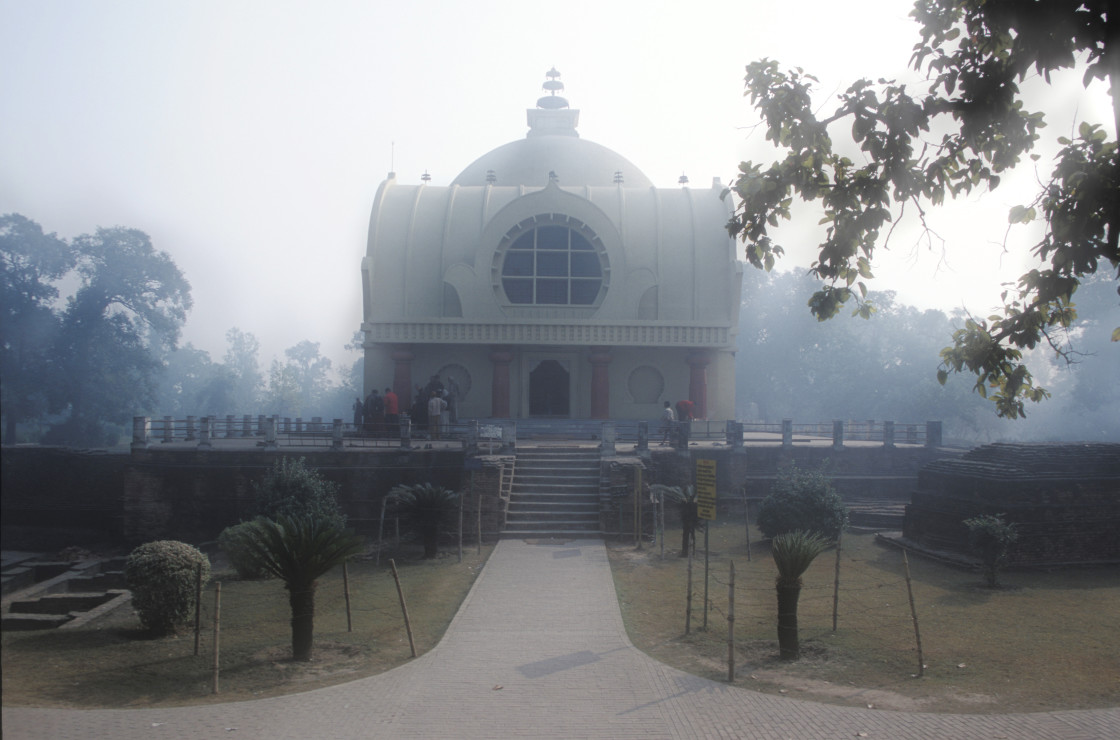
x=420 y=412
x=684 y=410
x=436 y=407
x=452 y=398
x=375 y=413
x=667 y=419
x=392 y=413
x=359 y=410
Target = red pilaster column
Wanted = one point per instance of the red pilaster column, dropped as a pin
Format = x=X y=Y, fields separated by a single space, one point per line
x=600 y=384
x=499 y=387
x=698 y=383
x=402 y=377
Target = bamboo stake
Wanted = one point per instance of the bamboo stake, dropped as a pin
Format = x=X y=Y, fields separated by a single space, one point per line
x=404 y=607
x=381 y=530
x=747 y=524
x=914 y=615
x=197 y=607
x=346 y=593
x=688 y=598
x=706 y=602
x=638 y=508
x=461 y=526
x=661 y=513
x=836 y=583
x=479 y=499
x=731 y=626
x=217 y=630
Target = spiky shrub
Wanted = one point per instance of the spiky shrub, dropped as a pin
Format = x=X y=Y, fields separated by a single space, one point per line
x=298 y=550
x=162 y=576
x=426 y=510
x=685 y=501
x=793 y=553
x=235 y=543
x=291 y=489
x=802 y=500
x=990 y=538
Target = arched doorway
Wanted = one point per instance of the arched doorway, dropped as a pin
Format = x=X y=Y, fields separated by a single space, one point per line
x=549 y=393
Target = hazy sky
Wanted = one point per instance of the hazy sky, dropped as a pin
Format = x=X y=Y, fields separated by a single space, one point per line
x=248 y=138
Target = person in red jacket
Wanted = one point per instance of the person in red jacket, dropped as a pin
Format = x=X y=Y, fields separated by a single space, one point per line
x=684 y=410
x=392 y=412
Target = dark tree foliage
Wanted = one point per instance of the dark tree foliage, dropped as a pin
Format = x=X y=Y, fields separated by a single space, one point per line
x=131 y=297
x=802 y=501
x=291 y=489
x=427 y=510
x=30 y=263
x=975 y=54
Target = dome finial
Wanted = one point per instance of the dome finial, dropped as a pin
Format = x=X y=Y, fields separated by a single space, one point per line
x=553 y=85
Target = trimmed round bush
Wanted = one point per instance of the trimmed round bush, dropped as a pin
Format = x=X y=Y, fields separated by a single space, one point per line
x=234 y=543
x=161 y=576
x=805 y=501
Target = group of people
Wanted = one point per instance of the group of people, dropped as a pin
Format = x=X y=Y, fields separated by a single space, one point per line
x=669 y=415
x=432 y=411
x=379 y=415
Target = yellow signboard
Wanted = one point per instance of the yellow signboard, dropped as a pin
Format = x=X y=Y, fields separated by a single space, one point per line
x=706 y=489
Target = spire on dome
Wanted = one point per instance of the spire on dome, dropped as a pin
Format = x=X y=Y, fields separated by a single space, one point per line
x=552 y=116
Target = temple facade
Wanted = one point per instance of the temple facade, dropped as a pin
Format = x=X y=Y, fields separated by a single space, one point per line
x=551 y=278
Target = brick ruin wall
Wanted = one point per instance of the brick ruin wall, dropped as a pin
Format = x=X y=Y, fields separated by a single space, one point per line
x=1063 y=499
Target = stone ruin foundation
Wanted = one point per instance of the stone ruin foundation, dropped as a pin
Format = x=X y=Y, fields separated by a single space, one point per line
x=1063 y=498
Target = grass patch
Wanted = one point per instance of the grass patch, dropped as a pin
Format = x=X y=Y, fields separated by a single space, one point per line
x=1045 y=640
x=113 y=663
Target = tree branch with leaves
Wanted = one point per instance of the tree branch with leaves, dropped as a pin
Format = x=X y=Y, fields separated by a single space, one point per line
x=975 y=54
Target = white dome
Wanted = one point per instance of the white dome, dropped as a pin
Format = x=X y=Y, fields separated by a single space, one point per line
x=575 y=161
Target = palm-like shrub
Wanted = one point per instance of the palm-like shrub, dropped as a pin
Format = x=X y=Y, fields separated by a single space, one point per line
x=162 y=576
x=991 y=537
x=298 y=550
x=793 y=553
x=426 y=510
x=685 y=501
x=802 y=500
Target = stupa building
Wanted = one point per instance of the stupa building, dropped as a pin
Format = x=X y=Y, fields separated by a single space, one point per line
x=551 y=278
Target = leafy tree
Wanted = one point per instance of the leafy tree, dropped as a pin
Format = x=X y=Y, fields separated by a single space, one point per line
x=236 y=543
x=793 y=553
x=242 y=365
x=966 y=130
x=293 y=490
x=130 y=297
x=991 y=537
x=685 y=500
x=30 y=263
x=162 y=576
x=802 y=500
x=426 y=510
x=298 y=550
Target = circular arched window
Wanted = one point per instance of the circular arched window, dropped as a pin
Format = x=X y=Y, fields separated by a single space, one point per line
x=553 y=261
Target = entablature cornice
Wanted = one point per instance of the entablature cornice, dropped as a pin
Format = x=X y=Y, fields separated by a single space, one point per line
x=641 y=334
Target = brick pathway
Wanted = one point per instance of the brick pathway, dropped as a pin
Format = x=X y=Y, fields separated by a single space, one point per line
x=538 y=651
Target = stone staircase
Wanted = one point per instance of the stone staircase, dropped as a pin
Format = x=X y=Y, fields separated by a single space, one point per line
x=555 y=493
x=46 y=594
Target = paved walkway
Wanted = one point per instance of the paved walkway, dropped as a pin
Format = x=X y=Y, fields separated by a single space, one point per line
x=538 y=651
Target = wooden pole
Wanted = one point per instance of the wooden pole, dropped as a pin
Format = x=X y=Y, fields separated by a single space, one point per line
x=461 y=495
x=747 y=524
x=197 y=607
x=661 y=513
x=381 y=530
x=346 y=593
x=731 y=626
x=217 y=630
x=478 y=498
x=688 y=597
x=706 y=523
x=638 y=508
x=914 y=615
x=836 y=583
x=404 y=607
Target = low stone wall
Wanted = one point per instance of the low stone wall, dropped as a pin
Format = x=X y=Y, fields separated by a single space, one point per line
x=1064 y=500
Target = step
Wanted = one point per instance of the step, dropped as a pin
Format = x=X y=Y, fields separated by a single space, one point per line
x=25 y=622
x=97 y=582
x=16 y=579
x=59 y=603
